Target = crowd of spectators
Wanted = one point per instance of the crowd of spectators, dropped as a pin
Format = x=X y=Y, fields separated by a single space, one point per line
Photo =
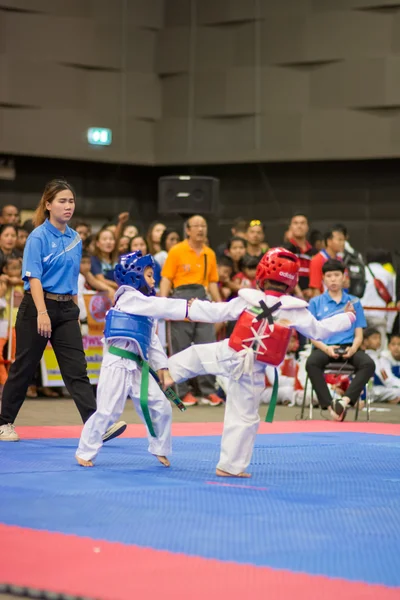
x=189 y=267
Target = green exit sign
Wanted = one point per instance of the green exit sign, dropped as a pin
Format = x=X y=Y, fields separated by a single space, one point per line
x=99 y=136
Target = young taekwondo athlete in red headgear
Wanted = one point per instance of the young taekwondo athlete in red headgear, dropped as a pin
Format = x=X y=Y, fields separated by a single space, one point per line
x=265 y=318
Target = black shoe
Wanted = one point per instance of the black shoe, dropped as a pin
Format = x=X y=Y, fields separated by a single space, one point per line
x=340 y=408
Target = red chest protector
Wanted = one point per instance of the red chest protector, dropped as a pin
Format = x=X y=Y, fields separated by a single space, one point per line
x=255 y=329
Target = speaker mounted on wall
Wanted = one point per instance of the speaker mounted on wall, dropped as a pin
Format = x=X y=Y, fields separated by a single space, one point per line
x=188 y=195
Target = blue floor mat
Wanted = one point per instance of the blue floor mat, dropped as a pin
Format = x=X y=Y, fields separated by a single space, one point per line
x=320 y=503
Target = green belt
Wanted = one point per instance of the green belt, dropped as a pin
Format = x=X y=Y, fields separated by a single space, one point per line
x=272 y=405
x=144 y=385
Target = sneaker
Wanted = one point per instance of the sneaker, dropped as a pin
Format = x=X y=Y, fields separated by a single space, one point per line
x=189 y=400
x=114 y=431
x=212 y=400
x=8 y=433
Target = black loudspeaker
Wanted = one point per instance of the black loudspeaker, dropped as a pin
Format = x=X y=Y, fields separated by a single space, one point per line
x=187 y=195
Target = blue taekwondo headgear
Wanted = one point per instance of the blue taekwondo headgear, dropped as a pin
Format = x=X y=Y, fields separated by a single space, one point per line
x=130 y=271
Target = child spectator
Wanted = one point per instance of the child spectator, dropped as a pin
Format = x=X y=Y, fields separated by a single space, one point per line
x=247 y=275
x=225 y=271
x=236 y=250
x=386 y=387
x=12 y=291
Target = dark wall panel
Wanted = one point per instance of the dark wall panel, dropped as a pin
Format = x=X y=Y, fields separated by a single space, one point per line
x=365 y=195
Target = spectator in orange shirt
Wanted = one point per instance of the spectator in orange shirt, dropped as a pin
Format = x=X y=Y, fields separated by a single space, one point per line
x=334 y=247
x=191 y=270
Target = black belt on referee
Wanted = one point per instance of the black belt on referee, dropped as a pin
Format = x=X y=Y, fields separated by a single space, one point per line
x=56 y=297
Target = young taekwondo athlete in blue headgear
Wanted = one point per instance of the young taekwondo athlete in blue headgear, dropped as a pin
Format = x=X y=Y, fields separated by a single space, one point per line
x=132 y=353
x=131 y=271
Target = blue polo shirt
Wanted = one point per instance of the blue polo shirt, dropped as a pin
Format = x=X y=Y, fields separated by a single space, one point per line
x=54 y=258
x=324 y=306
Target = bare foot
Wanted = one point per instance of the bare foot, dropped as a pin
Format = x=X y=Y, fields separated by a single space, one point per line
x=164 y=461
x=221 y=473
x=84 y=463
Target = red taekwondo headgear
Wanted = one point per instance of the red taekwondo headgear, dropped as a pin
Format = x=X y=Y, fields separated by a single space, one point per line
x=281 y=265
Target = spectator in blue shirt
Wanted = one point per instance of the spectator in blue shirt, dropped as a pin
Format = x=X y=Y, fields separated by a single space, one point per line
x=340 y=347
x=49 y=310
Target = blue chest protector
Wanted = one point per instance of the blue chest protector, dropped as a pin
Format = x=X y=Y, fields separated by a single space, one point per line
x=130 y=327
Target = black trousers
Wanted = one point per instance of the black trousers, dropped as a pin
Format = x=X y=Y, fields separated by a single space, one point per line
x=182 y=335
x=315 y=366
x=66 y=340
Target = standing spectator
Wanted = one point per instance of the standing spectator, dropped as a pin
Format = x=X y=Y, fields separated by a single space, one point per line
x=169 y=238
x=9 y=215
x=49 y=310
x=191 y=269
x=153 y=237
x=316 y=239
x=299 y=245
x=331 y=302
x=354 y=264
x=104 y=258
x=334 y=246
x=378 y=319
x=238 y=229
x=8 y=243
x=255 y=239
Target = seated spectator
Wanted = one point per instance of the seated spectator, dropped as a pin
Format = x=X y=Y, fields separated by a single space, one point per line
x=392 y=354
x=153 y=237
x=123 y=245
x=227 y=288
x=334 y=246
x=236 y=250
x=83 y=229
x=130 y=230
x=256 y=246
x=138 y=242
x=104 y=258
x=374 y=296
x=11 y=284
x=169 y=238
x=340 y=347
x=22 y=236
x=238 y=229
x=8 y=243
x=247 y=276
x=386 y=386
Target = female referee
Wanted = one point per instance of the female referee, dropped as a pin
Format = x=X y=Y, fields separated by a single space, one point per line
x=49 y=310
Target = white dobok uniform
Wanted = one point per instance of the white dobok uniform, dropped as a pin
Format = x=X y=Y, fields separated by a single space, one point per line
x=386 y=384
x=120 y=377
x=245 y=374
